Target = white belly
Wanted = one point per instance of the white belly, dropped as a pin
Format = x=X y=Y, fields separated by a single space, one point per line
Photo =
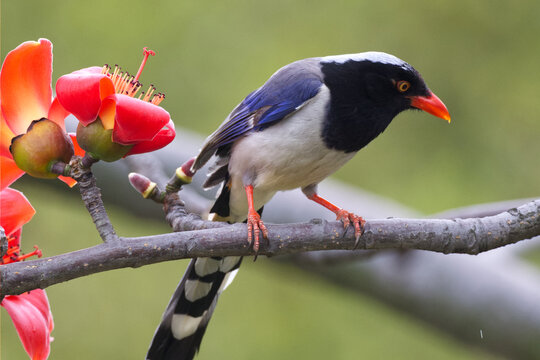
x=287 y=155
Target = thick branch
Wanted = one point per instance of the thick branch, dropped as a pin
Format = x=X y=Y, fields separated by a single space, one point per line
x=468 y=236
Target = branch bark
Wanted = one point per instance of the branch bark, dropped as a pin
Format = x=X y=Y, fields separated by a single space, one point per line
x=91 y=196
x=467 y=236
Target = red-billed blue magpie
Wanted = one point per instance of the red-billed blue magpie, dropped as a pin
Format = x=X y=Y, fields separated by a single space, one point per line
x=303 y=124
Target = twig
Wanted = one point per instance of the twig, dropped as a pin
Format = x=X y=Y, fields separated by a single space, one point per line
x=181 y=220
x=468 y=236
x=91 y=196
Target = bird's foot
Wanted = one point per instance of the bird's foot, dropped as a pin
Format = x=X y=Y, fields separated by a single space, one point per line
x=347 y=218
x=255 y=225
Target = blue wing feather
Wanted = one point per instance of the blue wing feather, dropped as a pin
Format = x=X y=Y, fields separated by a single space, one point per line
x=283 y=98
x=285 y=92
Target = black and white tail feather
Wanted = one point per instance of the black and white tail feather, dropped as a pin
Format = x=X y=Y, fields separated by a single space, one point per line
x=184 y=322
x=185 y=319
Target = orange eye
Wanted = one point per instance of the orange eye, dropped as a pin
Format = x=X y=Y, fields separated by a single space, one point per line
x=403 y=85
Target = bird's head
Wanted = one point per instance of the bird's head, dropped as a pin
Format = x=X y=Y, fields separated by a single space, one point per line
x=367 y=91
x=385 y=81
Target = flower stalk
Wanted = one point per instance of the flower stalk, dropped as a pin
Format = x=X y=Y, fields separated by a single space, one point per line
x=60 y=168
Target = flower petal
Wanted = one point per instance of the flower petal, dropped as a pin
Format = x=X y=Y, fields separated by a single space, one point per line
x=76 y=147
x=58 y=114
x=38 y=298
x=82 y=91
x=69 y=181
x=107 y=113
x=162 y=139
x=137 y=120
x=33 y=321
x=15 y=210
x=25 y=84
x=9 y=171
x=5 y=137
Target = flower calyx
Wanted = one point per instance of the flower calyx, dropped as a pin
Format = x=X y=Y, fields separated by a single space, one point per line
x=42 y=146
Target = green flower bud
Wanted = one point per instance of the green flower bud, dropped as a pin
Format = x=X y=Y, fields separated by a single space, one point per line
x=44 y=144
x=97 y=141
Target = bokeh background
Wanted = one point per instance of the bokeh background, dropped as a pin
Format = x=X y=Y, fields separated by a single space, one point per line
x=481 y=58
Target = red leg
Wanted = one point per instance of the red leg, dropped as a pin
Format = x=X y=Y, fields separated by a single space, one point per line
x=254 y=222
x=343 y=215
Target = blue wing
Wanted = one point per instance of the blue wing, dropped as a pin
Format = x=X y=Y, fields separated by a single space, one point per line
x=285 y=92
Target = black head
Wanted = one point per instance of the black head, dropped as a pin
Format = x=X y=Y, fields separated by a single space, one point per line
x=367 y=91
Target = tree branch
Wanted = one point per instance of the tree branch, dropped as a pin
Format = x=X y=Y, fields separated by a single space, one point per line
x=91 y=196
x=468 y=236
x=180 y=220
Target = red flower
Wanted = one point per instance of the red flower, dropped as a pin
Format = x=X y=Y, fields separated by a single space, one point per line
x=30 y=311
x=25 y=84
x=97 y=94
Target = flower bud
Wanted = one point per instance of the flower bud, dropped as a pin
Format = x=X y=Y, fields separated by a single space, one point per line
x=142 y=184
x=44 y=144
x=97 y=141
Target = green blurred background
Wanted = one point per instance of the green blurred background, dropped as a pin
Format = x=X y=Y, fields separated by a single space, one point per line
x=480 y=57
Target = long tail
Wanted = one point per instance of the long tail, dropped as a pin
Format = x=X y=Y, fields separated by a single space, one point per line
x=184 y=322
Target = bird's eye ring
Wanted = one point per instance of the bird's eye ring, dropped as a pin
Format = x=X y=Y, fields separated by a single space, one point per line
x=403 y=85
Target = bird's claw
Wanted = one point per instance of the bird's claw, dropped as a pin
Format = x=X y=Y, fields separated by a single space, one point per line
x=347 y=218
x=255 y=225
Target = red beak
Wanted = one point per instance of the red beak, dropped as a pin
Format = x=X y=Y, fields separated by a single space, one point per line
x=431 y=104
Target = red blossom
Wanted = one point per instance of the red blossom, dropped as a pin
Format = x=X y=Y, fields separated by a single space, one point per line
x=30 y=312
x=95 y=93
x=25 y=84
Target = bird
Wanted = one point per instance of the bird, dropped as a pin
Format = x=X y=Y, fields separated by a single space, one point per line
x=305 y=122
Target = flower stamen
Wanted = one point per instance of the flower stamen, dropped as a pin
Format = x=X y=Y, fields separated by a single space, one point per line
x=13 y=254
x=105 y=69
x=37 y=252
x=157 y=98
x=129 y=85
x=146 y=53
x=149 y=93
